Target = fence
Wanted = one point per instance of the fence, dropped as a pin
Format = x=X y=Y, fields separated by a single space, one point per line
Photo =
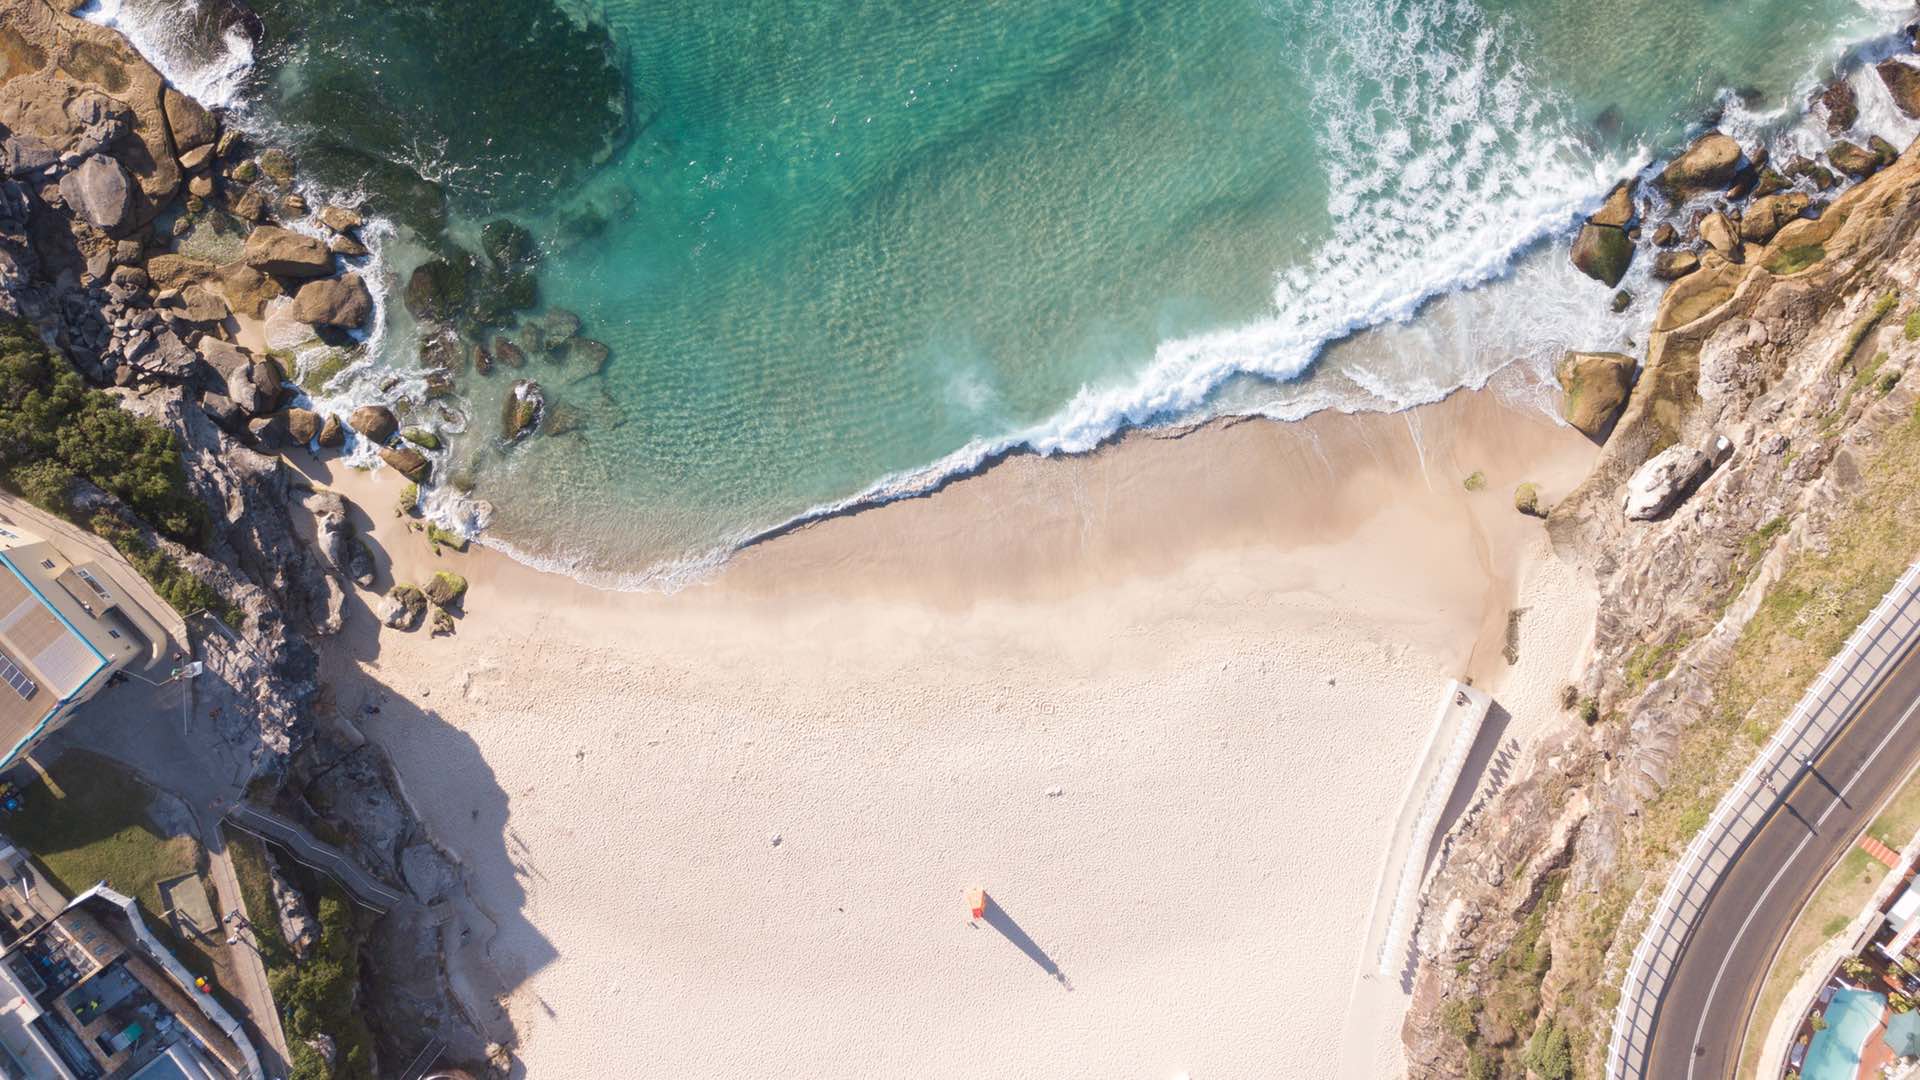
x=1877 y=644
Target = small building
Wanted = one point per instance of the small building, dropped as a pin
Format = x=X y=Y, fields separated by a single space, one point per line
x=65 y=629
x=92 y=995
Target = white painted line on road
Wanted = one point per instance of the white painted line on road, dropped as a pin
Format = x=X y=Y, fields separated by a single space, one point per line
x=1706 y=1007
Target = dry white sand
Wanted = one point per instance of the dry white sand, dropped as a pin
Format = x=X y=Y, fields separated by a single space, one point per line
x=1160 y=701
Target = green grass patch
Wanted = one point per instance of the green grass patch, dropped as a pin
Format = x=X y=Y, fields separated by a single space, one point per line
x=1864 y=325
x=1649 y=662
x=90 y=825
x=1912 y=328
x=177 y=585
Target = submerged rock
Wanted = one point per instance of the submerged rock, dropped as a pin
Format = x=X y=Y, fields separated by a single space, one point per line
x=1665 y=481
x=439 y=288
x=520 y=412
x=1593 y=387
x=506 y=352
x=1838 y=100
x=590 y=354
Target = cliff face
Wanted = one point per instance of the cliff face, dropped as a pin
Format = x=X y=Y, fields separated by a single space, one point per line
x=1712 y=619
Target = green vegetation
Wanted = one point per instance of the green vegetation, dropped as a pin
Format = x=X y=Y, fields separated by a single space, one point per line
x=1792 y=260
x=315 y=996
x=1493 y=1024
x=176 y=584
x=409 y=500
x=90 y=825
x=1477 y=481
x=1856 y=969
x=1550 y=1053
x=439 y=538
x=1864 y=325
x=1649 y=662
x=1590 y=711
x=54 y=430
x=1913 y=325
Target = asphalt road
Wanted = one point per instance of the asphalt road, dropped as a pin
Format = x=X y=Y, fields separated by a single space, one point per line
x=1698 y=1029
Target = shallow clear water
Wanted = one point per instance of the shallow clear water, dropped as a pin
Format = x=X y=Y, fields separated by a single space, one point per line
x=1852 y=1017
x=845 y=244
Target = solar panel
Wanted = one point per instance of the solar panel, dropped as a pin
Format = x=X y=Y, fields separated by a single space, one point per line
x=10 y=672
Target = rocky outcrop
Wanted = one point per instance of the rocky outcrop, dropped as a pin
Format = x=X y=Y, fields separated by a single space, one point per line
x=297 y=927
x=1593 y=387
x=1838 y=101
x=93 y=147
x=1742 y=443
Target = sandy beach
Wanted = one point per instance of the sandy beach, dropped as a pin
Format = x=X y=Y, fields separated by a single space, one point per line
x=1161 y=701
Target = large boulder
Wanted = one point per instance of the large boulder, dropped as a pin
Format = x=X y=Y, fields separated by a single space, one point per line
x=248 y=290
x=274 y=250
x=1710 y=164
x=374 y=422
x=520 y=413
x=1593 y=387
x=1769 y=215
x=1664 y=481
x=269 y=382
x=1854 y=160
x=403 y=607
x=98 y=191
x=303 y=425
x=408 y=462
x=1903 y=82
x=190 y=123
x=1840 y=103
x=332 y=433
x=343 y=302
x=1602 y=252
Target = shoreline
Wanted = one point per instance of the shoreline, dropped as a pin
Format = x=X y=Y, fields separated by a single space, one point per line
x=1162 y=631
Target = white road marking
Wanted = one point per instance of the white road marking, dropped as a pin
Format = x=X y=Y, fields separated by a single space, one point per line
x=1706 y=1008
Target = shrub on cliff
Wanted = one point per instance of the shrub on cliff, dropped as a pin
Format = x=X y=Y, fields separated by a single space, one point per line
x=53 y=429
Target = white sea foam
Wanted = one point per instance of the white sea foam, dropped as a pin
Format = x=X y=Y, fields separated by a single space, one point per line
x=179 y=38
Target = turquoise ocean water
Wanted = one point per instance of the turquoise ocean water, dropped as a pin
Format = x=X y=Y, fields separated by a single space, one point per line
x=841 y=249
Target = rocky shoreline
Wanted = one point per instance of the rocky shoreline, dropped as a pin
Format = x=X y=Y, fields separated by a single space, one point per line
x=116 y=186
x=1767 y=427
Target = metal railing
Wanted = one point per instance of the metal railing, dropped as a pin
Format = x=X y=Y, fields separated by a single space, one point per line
x=359 y=884
x=1876 y=645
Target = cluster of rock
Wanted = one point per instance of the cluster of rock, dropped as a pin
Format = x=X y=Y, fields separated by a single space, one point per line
x=105 y=173
x=1721 y=203
x=1773 y=370
x=476 y=311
